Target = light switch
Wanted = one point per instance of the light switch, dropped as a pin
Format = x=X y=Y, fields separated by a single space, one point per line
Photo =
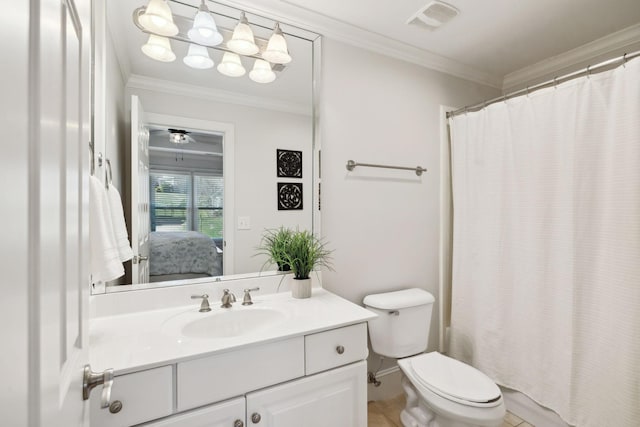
x=244 y=223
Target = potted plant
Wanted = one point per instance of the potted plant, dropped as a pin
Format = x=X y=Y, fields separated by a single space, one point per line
x=305 y=252
x=274 y=243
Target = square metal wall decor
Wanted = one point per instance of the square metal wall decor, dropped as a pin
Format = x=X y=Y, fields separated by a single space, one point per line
x=289 y=163
x=289 y=196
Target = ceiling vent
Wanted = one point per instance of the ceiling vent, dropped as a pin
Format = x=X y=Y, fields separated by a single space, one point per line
x=433 y=15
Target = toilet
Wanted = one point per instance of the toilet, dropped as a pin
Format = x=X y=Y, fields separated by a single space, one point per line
x=440 y=391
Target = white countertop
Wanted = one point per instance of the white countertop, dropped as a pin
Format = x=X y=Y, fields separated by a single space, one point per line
x=136 y=341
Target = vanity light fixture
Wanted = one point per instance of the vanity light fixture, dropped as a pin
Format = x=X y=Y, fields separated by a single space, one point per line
x=198 y=57
x=203 y=34
x=204 y=30
x=158 y=19
x=277 y=51
x=242 y=41
x=262 y=72
x=231 y=65
x=158 y=48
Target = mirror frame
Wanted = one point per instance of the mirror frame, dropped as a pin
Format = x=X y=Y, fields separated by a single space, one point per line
x=98 y=135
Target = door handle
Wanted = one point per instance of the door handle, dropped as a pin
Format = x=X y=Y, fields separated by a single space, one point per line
x=92 y=379
x=137 y=259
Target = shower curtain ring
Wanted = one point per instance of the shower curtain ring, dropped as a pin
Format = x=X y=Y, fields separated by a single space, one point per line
x=527 y=91
x=555 y=82
x=588 y=71
x=624 y=60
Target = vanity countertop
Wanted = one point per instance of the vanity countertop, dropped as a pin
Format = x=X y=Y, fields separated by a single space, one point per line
x=143 y=340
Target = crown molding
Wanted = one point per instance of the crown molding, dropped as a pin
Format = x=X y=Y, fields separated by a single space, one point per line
x=609 y=44
x=395 y=49
x=137 y=81
x=334 y=29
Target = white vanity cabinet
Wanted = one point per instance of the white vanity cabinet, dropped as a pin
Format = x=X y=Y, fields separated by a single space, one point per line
x=312 y=380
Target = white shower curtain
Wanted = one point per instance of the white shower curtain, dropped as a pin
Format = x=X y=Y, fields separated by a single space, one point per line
x=546 y=251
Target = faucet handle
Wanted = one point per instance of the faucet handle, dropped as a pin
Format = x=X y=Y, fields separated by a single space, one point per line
x=227 y=298
x=247 y=296
x=204 y=307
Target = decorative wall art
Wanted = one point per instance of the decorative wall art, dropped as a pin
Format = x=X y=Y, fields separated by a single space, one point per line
x=289 y=196
x=289 y=163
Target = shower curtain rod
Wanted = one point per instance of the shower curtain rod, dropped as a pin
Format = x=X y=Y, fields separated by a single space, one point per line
x=554 y=82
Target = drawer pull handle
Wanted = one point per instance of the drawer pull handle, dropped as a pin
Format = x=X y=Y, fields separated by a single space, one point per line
x=115 y=407
x=340 y=349
x=238 y=423
x=256 y=418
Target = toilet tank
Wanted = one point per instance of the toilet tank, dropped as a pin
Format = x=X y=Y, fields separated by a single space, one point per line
x=402 y=326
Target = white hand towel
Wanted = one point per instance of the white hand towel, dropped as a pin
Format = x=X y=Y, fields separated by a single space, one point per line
x=119 y=225
x=104 y=258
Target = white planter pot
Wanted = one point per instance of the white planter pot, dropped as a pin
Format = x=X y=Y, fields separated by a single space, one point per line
x=301 y=288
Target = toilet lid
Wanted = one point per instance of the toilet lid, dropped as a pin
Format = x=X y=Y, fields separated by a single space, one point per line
x=451 y=378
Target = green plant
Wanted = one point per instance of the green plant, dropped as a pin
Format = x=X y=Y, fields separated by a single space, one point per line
x=304 y=252
x=274 y=245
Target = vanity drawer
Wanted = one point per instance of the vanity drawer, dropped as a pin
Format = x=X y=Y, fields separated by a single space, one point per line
x=145 y=396
x=225 y=414
x=337 y=347
x=234 y=373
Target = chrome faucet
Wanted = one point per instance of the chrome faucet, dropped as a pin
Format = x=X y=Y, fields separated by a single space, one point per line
x=247 y=296
x=204 y=307
x=227 y=298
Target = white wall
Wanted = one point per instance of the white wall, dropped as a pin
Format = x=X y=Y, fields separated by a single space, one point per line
x=383 y=224
x=258 y=133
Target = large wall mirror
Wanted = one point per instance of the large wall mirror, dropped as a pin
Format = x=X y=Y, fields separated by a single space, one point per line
x=204 y=161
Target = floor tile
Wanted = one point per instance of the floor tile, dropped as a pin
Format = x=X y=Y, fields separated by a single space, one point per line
x=512 y=420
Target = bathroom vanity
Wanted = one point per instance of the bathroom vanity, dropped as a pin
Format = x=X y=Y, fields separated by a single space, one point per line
x=279 y=362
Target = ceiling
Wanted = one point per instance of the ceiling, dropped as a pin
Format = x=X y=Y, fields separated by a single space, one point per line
x=489 y=39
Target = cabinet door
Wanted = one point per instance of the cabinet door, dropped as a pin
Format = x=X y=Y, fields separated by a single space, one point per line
x=333 y=398
x=225 y=414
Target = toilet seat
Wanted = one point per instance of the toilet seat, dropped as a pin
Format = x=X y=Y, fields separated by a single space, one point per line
x=454 y=380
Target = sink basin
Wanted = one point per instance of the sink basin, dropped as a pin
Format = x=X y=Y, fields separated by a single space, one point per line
x=226 y=323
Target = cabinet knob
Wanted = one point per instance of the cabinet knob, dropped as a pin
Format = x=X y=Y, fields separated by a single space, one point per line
x=340 y=349
x=256 y=418
x=115 y=407
x=238 y=423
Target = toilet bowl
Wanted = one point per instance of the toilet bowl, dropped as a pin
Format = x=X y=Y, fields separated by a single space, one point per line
x=441 y=391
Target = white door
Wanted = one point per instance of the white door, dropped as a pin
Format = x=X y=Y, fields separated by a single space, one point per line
x=140 y=222
x=44 y=170
x=332 y=398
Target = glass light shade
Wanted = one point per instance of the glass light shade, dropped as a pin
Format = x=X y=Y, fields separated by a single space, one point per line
x=242 y=41
x=204 y=30
x=178 y=138
x=158 y=48
x=158 y=19
x=198 y=57
x=277 y=51
x=231 y=65
x=262 y=72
